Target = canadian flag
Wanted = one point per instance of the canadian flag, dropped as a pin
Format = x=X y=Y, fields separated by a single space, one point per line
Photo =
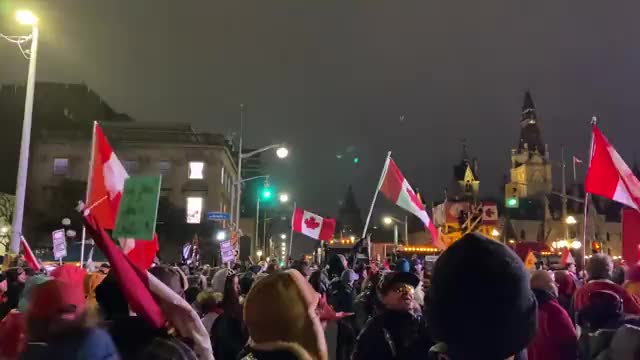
x=29 y=257
x=312 y=225
x=396 y=188
x=609 y=176
x=107 y=176
x=566 y=258
x=489 y=212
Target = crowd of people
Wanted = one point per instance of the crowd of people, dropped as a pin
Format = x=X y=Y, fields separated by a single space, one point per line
x=478 y=302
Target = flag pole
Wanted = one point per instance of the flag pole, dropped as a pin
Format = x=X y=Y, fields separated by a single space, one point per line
x=90 y=172
x=574 y=169
x=375 y=196
x=594 y=121
x=291 y=233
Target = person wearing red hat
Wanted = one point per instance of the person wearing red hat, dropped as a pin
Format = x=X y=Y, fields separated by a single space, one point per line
x=58 y=329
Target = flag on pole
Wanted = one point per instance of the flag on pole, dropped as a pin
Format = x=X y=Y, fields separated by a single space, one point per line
x=609 y=176
x=312 y=225
x=396 y=188
x=138 y=285
x=106 y=183
x=29 y=257
x=566 y=258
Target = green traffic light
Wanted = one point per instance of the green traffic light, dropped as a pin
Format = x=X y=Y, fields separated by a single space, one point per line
x=356 y=160
x=266 y=194
x=512 y=202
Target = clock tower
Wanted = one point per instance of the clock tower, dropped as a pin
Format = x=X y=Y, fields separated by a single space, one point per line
x=530 y=165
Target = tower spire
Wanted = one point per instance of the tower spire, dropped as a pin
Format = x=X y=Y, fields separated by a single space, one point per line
x=528 y=108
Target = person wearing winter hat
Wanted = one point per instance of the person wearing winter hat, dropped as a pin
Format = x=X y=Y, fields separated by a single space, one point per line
x=282 y=320
x=402 y=265
x=342 y=296
x=556 y=338
x=395 y=333
x=57 y=329
x=13 y=326
x=228 y=332
x=479 y=305
x=599 y=271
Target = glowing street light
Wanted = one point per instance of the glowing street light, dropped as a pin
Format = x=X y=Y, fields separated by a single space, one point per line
x=282 y=152
x=221 y=235
x=284 y=197
x=259 y=253
x=387 y=220
x=283 y=236
x=284 y=245
x=26 y=17
x=570 y=220
x=495 y=233
x=576 y=244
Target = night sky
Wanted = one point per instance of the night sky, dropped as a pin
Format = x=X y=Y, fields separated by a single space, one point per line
x=353 y=77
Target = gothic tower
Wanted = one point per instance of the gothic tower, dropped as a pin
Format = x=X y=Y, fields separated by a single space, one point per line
x=465 y=177
x=530 y=165
x=349 y=217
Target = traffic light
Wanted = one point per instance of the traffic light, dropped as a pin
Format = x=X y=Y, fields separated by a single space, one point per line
x=356 y=160
x=266 y=193
x=512 y=197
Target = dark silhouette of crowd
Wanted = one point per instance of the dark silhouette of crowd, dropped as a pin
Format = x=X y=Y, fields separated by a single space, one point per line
x=478 y=302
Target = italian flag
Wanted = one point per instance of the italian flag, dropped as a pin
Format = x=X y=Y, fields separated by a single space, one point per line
x=397 y=189
x=105 y=186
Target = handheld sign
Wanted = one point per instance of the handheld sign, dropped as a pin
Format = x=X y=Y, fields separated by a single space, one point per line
x=59 y=244
x=227 y=251
x=138 y=208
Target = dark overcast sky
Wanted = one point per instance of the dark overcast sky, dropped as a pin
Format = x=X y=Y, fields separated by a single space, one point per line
x=327 y=76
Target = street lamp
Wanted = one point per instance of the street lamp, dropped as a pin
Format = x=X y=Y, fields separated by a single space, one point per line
x=27 y=18
x=388 y=220
x=259 y=254
x=284 y=197
x=283 y=236
x=570 y=220
x=495 y=233
x=221 y=235
x=282 y=152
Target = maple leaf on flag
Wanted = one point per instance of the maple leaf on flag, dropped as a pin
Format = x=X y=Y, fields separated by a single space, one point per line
x=489 y=212
x=311 y=223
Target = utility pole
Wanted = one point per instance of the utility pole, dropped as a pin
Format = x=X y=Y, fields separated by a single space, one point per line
x=564 y=195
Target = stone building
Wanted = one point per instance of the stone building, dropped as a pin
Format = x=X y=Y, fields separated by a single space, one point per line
x=197 y=171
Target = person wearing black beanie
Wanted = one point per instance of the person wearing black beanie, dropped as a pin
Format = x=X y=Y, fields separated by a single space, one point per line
x=479 y=305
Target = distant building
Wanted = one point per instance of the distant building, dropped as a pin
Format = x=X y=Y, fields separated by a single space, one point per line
x=465 y=177
x=56 y=106
x=197 y=170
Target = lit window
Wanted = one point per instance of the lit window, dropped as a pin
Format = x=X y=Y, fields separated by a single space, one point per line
x=222 y=175
x=164 y=167
x=196 y=170
x=194 y=210
x=60 y=166
x=131 y=166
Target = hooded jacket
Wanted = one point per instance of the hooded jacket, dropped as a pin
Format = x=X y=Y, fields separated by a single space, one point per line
x=280 y=314
x=556 y=338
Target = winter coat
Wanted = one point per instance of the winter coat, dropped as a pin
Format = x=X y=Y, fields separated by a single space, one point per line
x=366 y=306
x=393 y=335
x=581 y=296
x=556 y=338
x=228 y=337
x=342 y=297
x=86 y=344
x=621 y=343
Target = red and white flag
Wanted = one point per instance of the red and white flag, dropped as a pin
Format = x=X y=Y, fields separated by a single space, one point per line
x=489 y=212
x=29 y=257
x=566 y=258
x=149 y=297
x=106 y=183
x=312 y=225
x=609 y=176
x=396 y=188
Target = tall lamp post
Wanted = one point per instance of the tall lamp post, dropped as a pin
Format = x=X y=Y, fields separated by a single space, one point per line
x=281 y=151
x=388 y=220
x=27 y=18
